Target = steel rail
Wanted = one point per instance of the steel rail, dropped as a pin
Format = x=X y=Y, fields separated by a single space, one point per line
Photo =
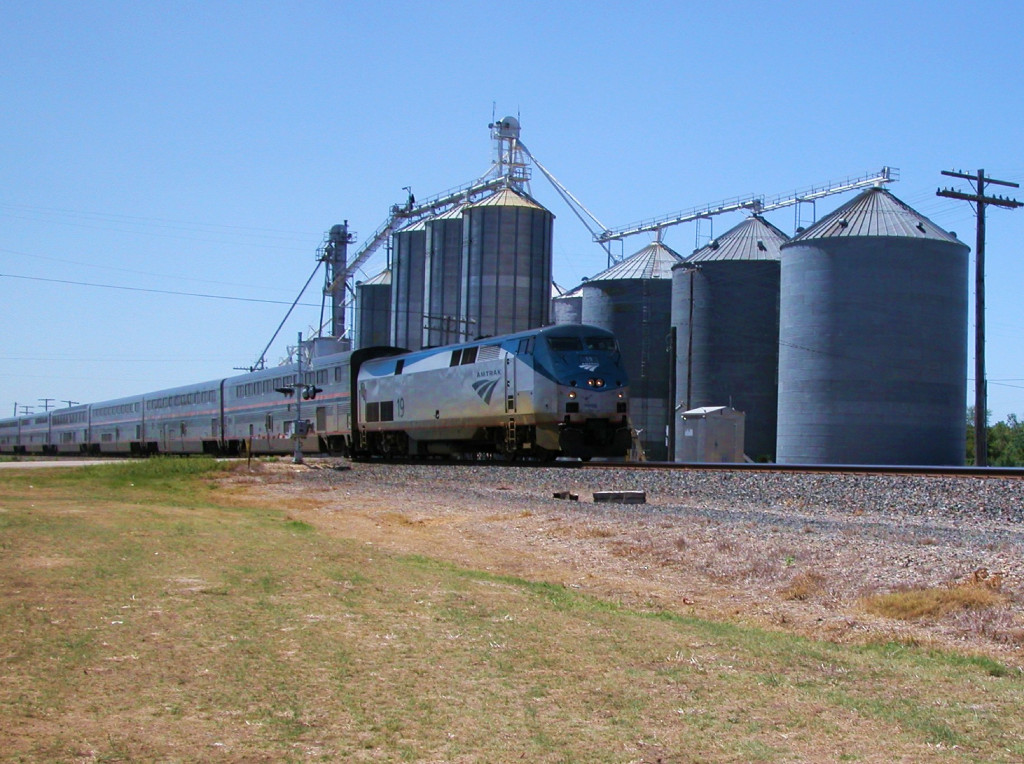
x=840 y=469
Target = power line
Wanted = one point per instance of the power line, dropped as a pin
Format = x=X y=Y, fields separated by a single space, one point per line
x=155 y=291
x=133 y=270
x=980 y=200
x=151 y=222
x=98 y=359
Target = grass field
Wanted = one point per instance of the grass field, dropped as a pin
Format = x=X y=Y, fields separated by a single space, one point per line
x=148 y=611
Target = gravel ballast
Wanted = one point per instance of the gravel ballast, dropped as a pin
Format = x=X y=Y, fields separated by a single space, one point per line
x=714 y=542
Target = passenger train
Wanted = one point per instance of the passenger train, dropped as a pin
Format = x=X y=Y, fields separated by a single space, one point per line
x=557 y=391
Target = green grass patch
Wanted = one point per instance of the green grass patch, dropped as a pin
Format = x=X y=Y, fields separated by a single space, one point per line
x=193 y=630
x=163 y=479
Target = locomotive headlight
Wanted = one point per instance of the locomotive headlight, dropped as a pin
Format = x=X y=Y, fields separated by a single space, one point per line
x=595 y=382
x=620 y=394
x=572 y=393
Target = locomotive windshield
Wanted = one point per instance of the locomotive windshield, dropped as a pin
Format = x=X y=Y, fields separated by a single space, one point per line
x=566 y=344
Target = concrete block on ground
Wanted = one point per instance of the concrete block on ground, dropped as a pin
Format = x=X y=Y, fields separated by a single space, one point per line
x=621 y=497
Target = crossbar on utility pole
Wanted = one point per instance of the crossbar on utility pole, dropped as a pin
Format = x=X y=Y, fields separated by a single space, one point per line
x=980 y=383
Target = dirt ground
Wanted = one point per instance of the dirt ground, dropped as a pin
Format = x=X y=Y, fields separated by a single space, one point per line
x=806 y=578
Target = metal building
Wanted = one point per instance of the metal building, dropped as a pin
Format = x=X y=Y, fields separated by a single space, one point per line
x=633 y=300
x=711 y=434
x=873 y=339
x=373 y=310
x=442 y=295
x=407 y=281
x=725 y=317
x=506 y=265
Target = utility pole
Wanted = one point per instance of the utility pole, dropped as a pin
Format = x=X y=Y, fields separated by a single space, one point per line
x=46 y=403
x=302 y=391
x=979 y=199
x=299 y=424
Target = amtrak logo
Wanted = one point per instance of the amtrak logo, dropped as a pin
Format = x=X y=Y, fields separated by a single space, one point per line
x=485 y=389
x=591 y=367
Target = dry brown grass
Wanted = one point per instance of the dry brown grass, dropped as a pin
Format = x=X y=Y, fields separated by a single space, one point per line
x=933 y=603
x=804 y=586
x=980 y=592
x=370 y=626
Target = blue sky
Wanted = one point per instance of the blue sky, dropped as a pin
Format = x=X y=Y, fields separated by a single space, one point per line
x=206 y=148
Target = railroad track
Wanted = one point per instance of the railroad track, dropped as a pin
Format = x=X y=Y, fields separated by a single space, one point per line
x=828 y=469
x=831 y=469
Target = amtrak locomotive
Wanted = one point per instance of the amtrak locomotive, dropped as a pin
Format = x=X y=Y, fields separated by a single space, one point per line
x=561 y=390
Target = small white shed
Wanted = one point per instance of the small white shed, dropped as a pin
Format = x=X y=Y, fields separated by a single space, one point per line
x=711 y=434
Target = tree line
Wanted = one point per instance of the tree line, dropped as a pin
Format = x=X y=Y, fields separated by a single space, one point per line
x=1005 y=441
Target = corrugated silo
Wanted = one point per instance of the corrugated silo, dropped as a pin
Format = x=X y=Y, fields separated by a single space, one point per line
x=373 y=311
x=567 y=307
x=725 y=313
x=633 y=300
x=873 y=339
x=407 y=280
x=443 y=279
x=506 y=264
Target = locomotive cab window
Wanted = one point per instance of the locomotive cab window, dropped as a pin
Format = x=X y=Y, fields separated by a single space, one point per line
x=399 y=365
x=456 y=357
x=606 y=344
x=468 y=355
x=565 y=344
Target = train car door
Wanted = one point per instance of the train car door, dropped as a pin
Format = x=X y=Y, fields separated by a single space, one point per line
x=510 y=383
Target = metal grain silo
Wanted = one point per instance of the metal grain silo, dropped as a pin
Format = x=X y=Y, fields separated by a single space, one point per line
x=407 y=279
x=873 y=339
x=633 y=299
x=567 y=307
x=373 y=311
x=442 y=293
x=725 y=316
x=506 y=265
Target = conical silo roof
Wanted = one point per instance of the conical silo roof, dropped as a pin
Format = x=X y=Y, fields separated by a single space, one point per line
x=654 y=261
x=382 y=278
x=508 y=197
x=560 y=293
x=452 y=214
x=419 y=225
x=875 y=212
x=753 y=239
